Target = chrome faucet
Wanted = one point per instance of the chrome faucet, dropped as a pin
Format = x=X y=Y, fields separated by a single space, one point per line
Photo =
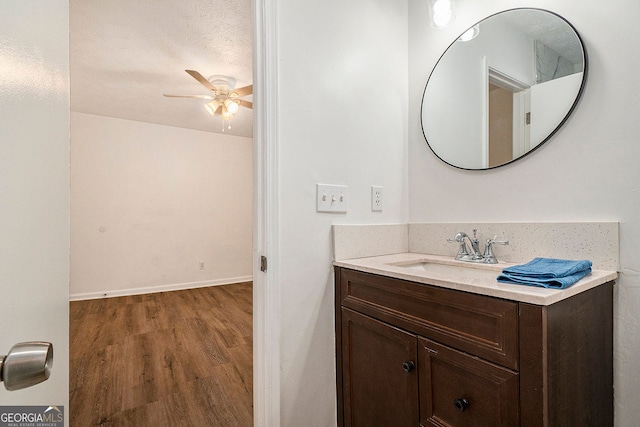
x=474 y=255
x=463 y=253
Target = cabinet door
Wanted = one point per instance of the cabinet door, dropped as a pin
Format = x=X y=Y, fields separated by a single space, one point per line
x=380 y=377
x=457 y=389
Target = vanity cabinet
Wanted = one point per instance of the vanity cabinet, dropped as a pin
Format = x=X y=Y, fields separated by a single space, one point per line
x=411 y=354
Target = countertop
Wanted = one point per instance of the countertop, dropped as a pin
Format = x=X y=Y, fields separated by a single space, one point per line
x=475 y=278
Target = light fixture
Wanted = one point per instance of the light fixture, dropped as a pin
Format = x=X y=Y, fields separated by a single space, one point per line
x=470 y=34
x=225 y=103
x=226 y=114
x=224 y=99
x=441 y=12
x=232 y=105
x=212 y=106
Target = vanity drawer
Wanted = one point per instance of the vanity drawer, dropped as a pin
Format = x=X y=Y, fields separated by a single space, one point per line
x=477 y=324
x=461 y=390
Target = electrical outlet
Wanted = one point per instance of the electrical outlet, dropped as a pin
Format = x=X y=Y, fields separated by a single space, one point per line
x=376 y=198
x=201 y=265
x=331 y=198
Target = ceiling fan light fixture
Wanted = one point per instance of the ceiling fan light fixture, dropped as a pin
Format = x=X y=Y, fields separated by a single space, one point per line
x=212 y=106
x=223 y=100
x=226 y=114
x=232 y=106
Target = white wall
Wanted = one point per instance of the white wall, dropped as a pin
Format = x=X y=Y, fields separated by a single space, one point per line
x=150 y=202
x=587 y=172
x=550 y=102
x=342 y=100
x=34 y=188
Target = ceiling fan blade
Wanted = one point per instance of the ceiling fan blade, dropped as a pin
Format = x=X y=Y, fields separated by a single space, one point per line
x=199 y=77
x=189 y=96
x=245 y=103
x=244 y=91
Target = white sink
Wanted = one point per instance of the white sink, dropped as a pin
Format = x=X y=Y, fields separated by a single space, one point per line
x=470 y=271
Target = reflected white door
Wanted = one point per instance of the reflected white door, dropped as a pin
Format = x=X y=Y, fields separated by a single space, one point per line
x=34 y=188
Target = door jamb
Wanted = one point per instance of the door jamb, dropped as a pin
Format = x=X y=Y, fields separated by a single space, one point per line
x=266 y=323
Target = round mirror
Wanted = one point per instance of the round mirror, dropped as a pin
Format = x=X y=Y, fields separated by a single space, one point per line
x=503 y=88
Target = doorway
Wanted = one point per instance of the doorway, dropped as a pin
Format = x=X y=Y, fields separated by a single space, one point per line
x=500 y=125
x=102 y=232
x=508 y=117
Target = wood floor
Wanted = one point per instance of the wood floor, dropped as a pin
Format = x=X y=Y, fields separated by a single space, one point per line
x=180 y=358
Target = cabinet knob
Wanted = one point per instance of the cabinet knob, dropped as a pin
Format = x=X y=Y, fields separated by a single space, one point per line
x=408 y=366
x=461 y=404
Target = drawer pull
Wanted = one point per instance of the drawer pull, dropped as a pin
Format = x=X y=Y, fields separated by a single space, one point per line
x=408 y=366
x=461 y=404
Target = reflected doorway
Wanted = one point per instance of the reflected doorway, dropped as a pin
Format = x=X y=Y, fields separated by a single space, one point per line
x=508 y=118
x=500 y=126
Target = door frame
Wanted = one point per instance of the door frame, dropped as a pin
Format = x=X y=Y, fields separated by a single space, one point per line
x=521 y=105
x=266 y=309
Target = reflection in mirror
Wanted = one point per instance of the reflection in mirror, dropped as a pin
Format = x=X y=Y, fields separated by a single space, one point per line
x=503 y=88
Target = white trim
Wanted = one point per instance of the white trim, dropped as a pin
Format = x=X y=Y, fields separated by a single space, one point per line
x=521 y=130
x=505 y=81
x=266 y=308
x=161 y=288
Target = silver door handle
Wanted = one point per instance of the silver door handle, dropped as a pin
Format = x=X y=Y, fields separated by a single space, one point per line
x=26 y=364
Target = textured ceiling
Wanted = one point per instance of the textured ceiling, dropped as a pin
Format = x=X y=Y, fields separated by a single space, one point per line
x=125 y=54
x=547 y=28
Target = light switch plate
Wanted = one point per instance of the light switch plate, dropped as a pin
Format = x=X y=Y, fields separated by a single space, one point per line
x=331 y=198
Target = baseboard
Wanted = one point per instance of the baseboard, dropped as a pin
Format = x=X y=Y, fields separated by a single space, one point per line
x=154 y=289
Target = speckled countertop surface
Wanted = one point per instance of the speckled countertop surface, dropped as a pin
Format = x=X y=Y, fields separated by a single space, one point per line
x=474 y=278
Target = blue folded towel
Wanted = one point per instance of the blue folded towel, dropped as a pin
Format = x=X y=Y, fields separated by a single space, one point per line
x=546 y=272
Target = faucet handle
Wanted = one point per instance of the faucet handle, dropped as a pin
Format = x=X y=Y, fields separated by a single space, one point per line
x=489 y=257
x=463 y=251
x=497 y=242
x=459 y=237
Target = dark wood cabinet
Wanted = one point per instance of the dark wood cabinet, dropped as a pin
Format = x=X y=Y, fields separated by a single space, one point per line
x=410 y=354
x=376 y=354
x=463 y=390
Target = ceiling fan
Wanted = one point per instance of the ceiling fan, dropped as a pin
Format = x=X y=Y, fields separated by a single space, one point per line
x=224 y=99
